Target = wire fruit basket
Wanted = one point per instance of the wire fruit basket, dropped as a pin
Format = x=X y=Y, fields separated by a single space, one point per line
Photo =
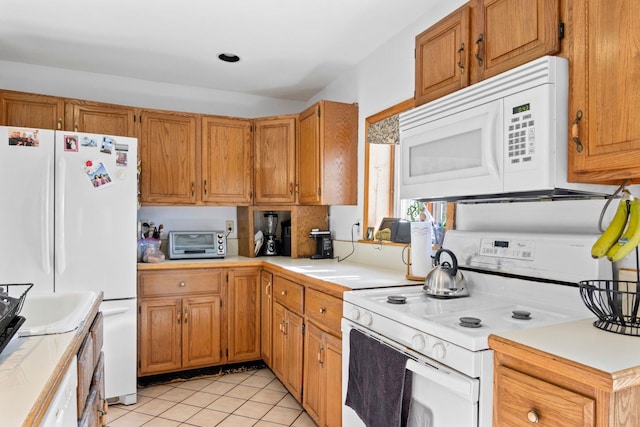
x=615 y=303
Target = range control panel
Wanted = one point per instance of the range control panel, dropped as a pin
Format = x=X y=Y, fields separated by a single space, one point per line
x=507 y=248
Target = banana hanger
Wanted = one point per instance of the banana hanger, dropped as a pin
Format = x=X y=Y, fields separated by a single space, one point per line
x=614 y=295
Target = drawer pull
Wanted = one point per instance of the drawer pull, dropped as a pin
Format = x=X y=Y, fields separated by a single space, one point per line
x=186 y=314
x=575 y=131
x=284 y=293
x=182 y=284
x=267 y=289
x=533 y=416
x=323 y=310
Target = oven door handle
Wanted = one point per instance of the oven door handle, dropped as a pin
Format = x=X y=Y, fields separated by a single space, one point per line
x=465 y=387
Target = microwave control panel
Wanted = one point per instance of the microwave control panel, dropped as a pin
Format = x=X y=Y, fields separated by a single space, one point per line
x=521 y=134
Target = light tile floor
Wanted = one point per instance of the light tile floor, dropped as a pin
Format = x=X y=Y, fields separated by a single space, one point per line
x=253 y=398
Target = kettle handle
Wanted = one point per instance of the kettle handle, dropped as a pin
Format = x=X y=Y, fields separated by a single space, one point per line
x=454 y=269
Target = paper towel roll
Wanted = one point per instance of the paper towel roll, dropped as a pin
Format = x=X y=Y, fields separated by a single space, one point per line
x=421 y=248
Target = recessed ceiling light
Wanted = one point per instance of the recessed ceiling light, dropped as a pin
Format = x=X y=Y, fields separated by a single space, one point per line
x=228 y=57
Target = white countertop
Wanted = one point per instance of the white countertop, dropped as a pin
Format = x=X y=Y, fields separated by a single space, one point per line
x=583 y=343
x=26 y=365
x=348 y=274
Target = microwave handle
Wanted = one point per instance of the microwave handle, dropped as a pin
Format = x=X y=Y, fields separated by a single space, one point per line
x=494 y=132
x=465 y=387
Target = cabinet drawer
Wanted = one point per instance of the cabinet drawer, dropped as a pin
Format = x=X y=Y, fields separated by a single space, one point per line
x=289 y=294
x=179 y=282
x=524 y=400
x=323 y=309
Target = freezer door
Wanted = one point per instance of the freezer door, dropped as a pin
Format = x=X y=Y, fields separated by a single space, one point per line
x=95 y=210
x=26 y=217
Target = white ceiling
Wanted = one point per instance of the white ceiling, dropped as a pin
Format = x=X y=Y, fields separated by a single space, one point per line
x=289 y=49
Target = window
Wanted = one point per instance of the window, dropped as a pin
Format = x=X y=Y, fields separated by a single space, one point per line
x=382 y=137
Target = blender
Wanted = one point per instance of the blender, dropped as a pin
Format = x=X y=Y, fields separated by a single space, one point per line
x=270 y=227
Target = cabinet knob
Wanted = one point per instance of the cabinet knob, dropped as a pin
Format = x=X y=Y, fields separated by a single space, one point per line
x=182 y=284
x=323 y=310
x=575 y=131
x=533 y=416
x=284 y=293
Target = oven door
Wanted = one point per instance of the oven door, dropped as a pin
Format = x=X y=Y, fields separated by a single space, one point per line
x=441 y=397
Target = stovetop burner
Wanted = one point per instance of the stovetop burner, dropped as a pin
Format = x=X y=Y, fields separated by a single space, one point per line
x=521 y=314
x=470 y=322
x=396 y=299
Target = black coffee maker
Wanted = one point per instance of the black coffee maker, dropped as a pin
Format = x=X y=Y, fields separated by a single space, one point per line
x=324 y=244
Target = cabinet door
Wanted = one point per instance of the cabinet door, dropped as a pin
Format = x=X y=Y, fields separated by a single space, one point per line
x=604 y=90
x=160 y=337
x=278 y=361
x=94 y=117
x=244 y=314
x=168 y=155
x=313 y=372
x=442 y=57
x=266 y=314
x=31 y=110
x=294 y=345
x=309 y=157
x=522 y=400
x=513 y=32
x=226 y=160
x=201 y=320
x=275 y=162
x=332 y=365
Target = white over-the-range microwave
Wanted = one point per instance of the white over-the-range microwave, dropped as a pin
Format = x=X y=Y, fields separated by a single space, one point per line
x=503 y=138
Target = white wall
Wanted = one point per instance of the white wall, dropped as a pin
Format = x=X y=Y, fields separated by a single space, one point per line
x=382 y=80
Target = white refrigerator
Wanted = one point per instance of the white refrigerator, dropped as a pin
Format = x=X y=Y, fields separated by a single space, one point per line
x=68 y=222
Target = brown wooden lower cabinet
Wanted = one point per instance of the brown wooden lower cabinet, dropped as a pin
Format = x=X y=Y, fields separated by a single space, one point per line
x=287 y=348
x=192 y=318
x=322 y=377
x=532 y=387
x=243 y=296
x=90 y=394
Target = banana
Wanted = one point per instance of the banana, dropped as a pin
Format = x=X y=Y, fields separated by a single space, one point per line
x=631 y=236
x=613 y=232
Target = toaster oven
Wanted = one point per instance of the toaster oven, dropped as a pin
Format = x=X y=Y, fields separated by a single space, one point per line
x=197 y=244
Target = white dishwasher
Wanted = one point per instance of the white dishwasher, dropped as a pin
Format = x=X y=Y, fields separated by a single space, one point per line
x=63 y=410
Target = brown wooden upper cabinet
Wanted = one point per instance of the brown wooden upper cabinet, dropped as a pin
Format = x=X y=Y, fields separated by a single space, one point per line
x=442 y=57
x=481 y=39
x=604 y=97
x=226 y=161
x=168 y=157
x=275 y=160
x=31 y=110
x=95 y=117
x=328 y=154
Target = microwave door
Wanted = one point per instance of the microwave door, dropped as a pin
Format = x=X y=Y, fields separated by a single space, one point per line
x=457 y=155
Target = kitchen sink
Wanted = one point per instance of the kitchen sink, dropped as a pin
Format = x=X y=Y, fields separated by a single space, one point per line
x=55 y=313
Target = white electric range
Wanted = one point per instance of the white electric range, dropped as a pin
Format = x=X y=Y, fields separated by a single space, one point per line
x=515 y=281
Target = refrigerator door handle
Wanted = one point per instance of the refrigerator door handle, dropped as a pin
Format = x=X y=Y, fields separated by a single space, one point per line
x=45 y=220
x=114 y=311
x=60 y=209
